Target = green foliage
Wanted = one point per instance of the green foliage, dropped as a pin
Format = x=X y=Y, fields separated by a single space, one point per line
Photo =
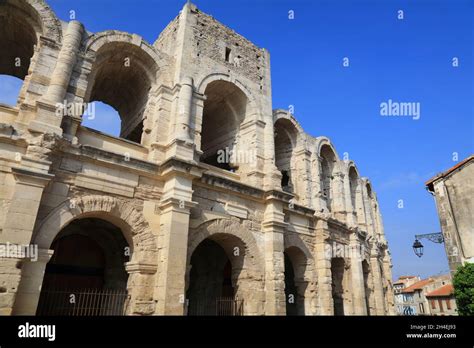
x=463 y=282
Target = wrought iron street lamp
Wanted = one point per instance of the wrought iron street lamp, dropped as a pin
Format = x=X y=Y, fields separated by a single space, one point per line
x=434 y=237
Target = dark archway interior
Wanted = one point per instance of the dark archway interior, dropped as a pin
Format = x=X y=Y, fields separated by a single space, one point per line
x=337 y=273
x=210 y=279
x=224 y=111
x=366 y=272
x=295 y=283
x=284 y=146
x=119 y=78
x=17 y=39
x=353 y=186
x=291 y=293
x=327 y=164
x=89 y=256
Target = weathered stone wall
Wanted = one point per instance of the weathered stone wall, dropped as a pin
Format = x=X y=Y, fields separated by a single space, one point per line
x=156 y=189
x=455 y=205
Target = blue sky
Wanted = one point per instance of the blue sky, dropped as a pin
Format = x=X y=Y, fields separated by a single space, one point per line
x=407 y=60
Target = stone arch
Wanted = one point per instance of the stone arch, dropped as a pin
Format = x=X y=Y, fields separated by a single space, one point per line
x=228 y=106
x=116 y=211
x=284 y=114
x=354 y=184
x=330 y=165
x=219 y=228
x=247 y=266
x=321 y=141
x=253 y=104
x=124 y=72
x=302 y=261
x=288 y=138
x=45 y=21
x=24 y=23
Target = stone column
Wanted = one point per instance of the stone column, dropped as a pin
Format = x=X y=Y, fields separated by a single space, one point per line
x=379 y=297
x=323 y=266
x=29 y=290
x=339 y=208
x=357 y=276
x=360 y=207
x=273 y=228
x=140 y=287
x=65 y=63
x=368 y=211
x=301 y=177
x=350 y=209
x=18 y=229
x=389 y=295
x=47 y=118
x=184 y=114
x=171 y=289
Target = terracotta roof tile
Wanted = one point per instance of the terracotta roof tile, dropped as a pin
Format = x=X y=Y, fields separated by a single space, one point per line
x=418 y=285
x=445 y=290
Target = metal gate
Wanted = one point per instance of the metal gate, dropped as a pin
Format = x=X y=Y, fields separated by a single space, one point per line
x=221 y=306
x=83 y=302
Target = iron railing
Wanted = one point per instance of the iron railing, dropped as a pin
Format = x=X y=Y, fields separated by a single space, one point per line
x=221 y=306
x=83 y=302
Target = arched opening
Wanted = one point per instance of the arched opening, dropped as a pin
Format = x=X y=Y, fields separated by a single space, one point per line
x=328 y=160
x=295 y=283
x=211 y=288
x=224 y=111
x=86 y=275
x=367 y=284
x=338 y=288
x=285 y=143
x=104 y=118
x=10 y=87
x=121 y=77
x=369 y=190
x=353 y=183
x=18 y=39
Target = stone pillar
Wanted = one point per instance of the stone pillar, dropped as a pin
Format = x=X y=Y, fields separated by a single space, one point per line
x=389 y=295
x=18 y=229
x=350 y=209
x=357 y=276
x=368 y=211
x=360 y=207
x=171 y=289
x=339 y=206
x=379 y=297
x=184 y=114
x=65 y=63
x=301 y=176
x=29 y=290
x=273 y=228
x=47 y=118
x=323 y=266
x=140 y=287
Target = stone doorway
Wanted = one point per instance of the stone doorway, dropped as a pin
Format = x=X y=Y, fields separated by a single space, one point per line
x=337 y=272
x=86 y=275
x=211 y=287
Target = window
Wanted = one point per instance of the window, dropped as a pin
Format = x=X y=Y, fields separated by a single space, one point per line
x=440 y=302
x=433 y=304
x=448 y=304
x=227 y=54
